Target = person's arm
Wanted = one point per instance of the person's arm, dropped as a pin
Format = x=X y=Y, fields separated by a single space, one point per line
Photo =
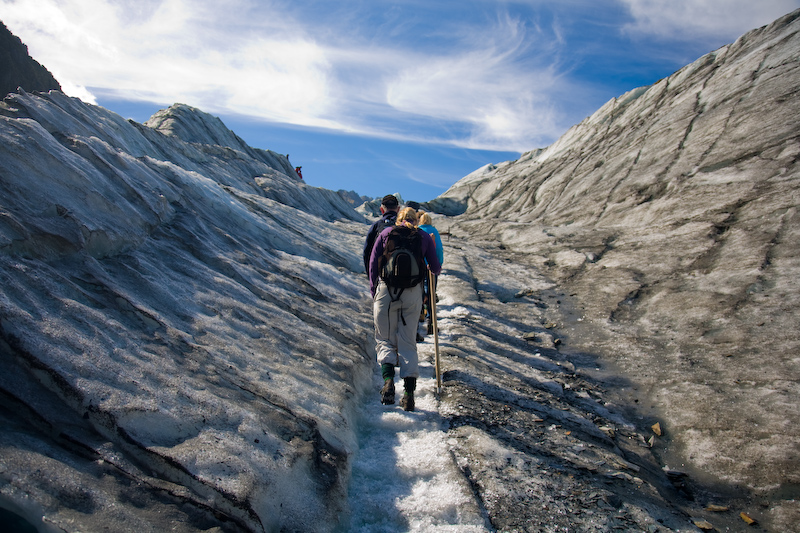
x=368 y=245
x=375 y=256
x=439 y=246
x=429 y=251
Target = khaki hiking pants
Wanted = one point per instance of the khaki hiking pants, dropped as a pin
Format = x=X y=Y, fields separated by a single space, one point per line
x=396 y=343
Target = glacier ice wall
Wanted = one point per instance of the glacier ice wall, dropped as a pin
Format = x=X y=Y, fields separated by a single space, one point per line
x=181 y=344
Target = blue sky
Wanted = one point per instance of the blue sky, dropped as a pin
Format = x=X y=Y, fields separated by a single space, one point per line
x=371 y=95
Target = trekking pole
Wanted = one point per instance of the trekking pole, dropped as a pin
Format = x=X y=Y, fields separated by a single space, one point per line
x=432 y=296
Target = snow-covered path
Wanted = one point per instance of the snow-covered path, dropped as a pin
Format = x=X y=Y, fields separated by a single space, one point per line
x=404 y=477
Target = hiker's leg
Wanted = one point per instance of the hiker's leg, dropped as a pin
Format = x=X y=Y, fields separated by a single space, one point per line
x=411 y=301
x=385 y=325
x=424 y=310
x=387 y=391
x=407 y=401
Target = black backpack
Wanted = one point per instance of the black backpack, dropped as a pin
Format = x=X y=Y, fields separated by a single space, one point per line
x=402 y=265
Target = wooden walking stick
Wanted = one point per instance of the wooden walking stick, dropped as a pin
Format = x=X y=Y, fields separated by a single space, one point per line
x=432 y=296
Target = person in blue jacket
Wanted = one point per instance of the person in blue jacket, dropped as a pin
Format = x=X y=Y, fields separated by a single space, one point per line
x=426 y=225
x=396 y=316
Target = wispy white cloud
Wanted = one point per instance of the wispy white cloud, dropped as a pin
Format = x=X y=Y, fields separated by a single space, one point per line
x=703 y=19
x=261 y=59
x=490 y=82
x=468 y=73
x=176 y=51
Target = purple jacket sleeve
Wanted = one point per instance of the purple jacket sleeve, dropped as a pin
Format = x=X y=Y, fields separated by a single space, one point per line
x=377 y=251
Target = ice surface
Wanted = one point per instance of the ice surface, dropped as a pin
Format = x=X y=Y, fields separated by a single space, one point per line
x=188 y=346
x=192 y=336
x=667 y=222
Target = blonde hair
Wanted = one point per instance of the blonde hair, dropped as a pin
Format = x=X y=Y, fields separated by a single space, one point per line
x=425 y=218
x=407 y=217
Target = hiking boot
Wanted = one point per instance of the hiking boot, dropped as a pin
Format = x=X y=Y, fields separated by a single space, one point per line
x=420 y=338
x=387 y=392
x=407 y=401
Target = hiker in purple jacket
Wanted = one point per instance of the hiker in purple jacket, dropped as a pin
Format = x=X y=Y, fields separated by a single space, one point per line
x=396 y=314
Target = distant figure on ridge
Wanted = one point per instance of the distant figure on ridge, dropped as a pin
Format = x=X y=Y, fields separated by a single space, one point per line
x=297 y=169
x=389 y=206
x=396 y=270
x=426 y=225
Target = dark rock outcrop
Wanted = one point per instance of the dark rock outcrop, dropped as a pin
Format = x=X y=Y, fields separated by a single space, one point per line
x=18 y=69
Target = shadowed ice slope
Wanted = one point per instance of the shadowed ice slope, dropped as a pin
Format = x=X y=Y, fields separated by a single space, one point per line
x=670 y=218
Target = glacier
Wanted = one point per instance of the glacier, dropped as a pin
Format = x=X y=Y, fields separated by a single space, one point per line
x=187 y=336
x=187 y=342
